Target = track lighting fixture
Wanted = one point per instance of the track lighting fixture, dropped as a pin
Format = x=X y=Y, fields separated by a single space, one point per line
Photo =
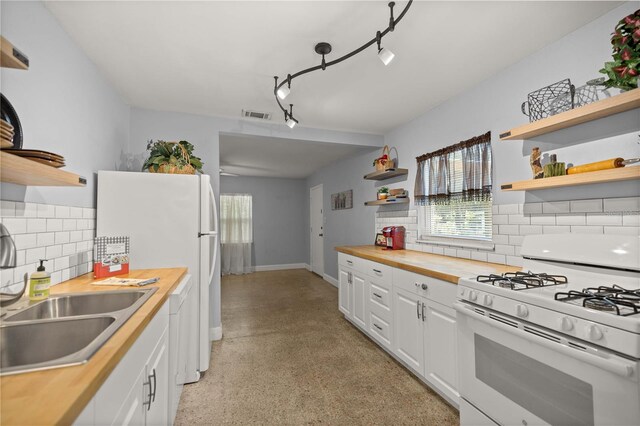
x=282 y=90
x=288 y=117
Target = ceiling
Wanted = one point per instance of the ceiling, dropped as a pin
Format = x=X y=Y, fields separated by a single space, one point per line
x=276 y=157
x=219 y=57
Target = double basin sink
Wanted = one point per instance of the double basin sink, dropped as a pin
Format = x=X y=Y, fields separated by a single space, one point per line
x=66 y=329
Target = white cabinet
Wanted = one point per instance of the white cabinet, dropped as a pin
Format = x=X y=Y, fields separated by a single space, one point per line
x=358 y=283
x=441 y=348
x=345 y=292
x=136 y=392
x=408 y=329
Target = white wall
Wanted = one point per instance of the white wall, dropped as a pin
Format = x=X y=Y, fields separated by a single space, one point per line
x=280 y=212
x=63 y=102
x=495 y=105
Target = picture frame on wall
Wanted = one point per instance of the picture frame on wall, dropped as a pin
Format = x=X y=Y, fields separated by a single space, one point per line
x=381 y=240
x=342 y=200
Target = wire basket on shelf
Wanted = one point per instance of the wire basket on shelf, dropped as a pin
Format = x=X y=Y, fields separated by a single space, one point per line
x=550 y=100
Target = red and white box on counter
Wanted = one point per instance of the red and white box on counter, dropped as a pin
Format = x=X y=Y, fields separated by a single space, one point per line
x=111 y=256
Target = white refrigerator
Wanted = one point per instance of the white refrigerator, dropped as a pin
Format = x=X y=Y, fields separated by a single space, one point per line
x=172 y=221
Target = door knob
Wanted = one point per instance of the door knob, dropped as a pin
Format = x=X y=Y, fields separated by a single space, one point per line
x=320 y=235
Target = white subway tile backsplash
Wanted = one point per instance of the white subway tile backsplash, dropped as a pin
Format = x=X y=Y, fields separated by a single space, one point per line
x=532 y=208
x=62 y=211
x=500 y=219
x=622 y=230
x=53 y=252
x=479 y=255
x=519 y=219
x=571 y=219
x=629 y=204
x=450 y=252
x=437 y=250
x=36 y=225
x=504 y=249
x=45 y=239
x=7 y=208
x=508 y=209
x=46 y=210
x=500 y=239
x=556 y=207
x=587 y=230
x=15 y=225
x=62 y=237
x=35 y=254
x=62 y=234
x=464 y=254
x=630 y=219
x=25 y=241
x=54 y=225
x=604 y=219
x=556 y=229
x=530 y=229
x=586 y=206
x=516 y=240
x=509 y=229
x=539 y=219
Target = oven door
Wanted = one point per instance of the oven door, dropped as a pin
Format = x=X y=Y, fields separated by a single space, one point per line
x=520 y=374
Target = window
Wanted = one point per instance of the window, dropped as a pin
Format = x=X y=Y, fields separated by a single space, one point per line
x=453 y=190
x=236 y=218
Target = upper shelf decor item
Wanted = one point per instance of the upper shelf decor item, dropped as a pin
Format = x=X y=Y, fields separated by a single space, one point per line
x=612 y=163
x=172 y=157
x=383 y=193
x=342 y=200
x=536 y=165
x=554 y=167
x=549 y=100
x=11 y=120
x=385 y=162
x=624 y=69
x=282 y=90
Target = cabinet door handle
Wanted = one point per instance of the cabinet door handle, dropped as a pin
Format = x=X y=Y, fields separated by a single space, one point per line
x=377 y=271
x=149 y=394
x=155 y=383
x=418 y=308
x=377 y=326
x=349 y=262
x=423 y=312
x=377 y=295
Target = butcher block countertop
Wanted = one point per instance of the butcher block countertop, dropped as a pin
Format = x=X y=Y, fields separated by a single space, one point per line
x=59 y=395
x=446 y=268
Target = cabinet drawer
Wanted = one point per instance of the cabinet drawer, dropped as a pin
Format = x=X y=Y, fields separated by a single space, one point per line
x=379 y=271
x=380 y=329
x=379 y=295
x=351 y=261
x=437 y=290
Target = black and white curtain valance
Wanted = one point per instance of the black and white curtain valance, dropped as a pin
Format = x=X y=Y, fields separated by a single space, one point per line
x=460 y=172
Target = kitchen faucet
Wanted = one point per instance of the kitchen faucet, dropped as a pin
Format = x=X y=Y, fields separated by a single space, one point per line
x=8 y=260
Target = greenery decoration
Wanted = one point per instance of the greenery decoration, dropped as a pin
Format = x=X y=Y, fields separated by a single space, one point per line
x=624 y=69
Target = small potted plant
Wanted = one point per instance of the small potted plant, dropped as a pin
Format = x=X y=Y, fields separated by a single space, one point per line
x=624 y=69
x=172 y=157
x=383 y=193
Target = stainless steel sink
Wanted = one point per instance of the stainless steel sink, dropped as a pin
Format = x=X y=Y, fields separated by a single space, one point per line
x=65 y=329
x=79 y=304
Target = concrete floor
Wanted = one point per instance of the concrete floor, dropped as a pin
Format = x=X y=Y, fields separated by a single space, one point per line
x=289 y=357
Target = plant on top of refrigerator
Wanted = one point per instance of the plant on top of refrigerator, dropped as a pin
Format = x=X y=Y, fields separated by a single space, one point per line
x=624 y=69
x=171 y=157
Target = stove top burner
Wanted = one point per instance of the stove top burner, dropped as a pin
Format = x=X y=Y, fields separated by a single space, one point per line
x=614 y=299
x=522 y=280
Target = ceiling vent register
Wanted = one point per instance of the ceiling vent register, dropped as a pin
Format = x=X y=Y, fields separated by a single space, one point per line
x=282 y=90
x=256 y=114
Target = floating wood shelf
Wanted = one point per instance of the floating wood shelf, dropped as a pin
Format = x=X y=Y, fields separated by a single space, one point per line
x=611 y=175
x=386 y=174
x=599 y=109
x=10 y=57
x=21 y=171
x=387 y=202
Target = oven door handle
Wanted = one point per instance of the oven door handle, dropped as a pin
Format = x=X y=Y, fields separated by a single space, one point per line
x=611 y=365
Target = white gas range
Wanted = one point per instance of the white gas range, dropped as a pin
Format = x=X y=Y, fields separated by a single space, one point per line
x=559 y=347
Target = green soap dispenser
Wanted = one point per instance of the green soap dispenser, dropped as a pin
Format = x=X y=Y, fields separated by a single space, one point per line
x=39 y=283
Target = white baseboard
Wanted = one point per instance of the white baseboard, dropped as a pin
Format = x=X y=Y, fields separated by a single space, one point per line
x=330 y=280
x=308 y=267
x=215 y=333
x=263 y=268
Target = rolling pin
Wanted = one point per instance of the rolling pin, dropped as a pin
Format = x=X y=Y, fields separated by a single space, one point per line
x=601 y=165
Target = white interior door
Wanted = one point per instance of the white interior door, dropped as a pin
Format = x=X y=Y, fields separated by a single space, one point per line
x=317 y=230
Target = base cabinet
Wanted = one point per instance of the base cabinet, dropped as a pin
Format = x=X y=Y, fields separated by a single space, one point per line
x=441 y=348
x=408 y=329
x=137 y=390
x=358 y=283
x=345 y=292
